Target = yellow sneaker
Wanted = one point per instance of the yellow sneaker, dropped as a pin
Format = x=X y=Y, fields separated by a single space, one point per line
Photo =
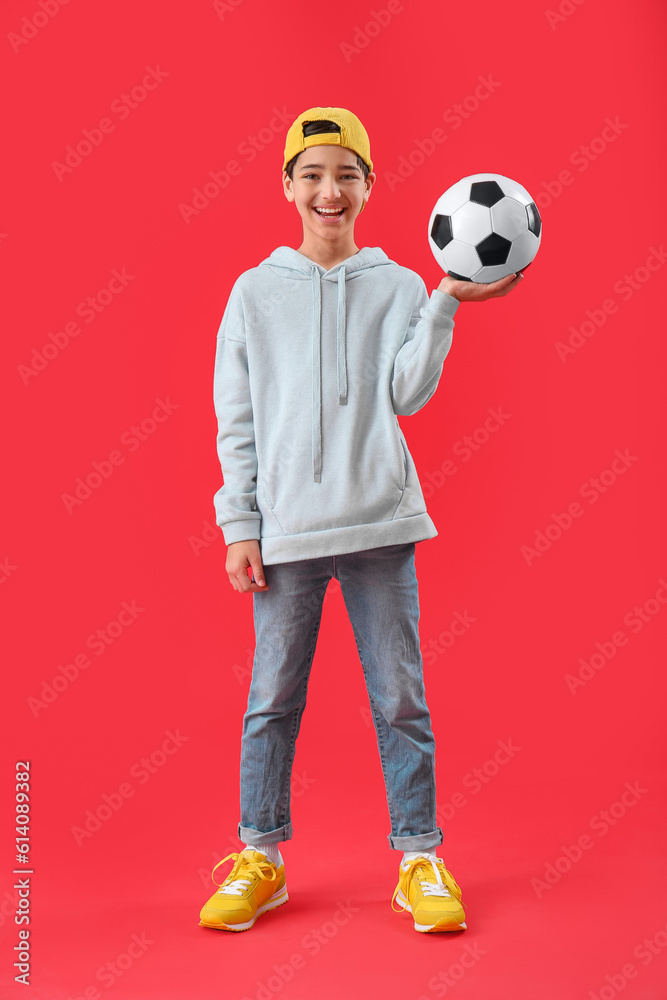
x=253 y=886
x=428 y=891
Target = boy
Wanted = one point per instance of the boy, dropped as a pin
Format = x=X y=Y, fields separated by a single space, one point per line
x=318 y=351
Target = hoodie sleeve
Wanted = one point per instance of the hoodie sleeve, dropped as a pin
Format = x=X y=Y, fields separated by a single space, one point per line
x=418 y=364
x=234 y=502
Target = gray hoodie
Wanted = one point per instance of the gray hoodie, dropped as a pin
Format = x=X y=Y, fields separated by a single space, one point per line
x=311 y=369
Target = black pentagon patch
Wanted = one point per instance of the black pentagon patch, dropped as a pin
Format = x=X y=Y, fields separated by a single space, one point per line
x=441 y=231
x=493 y=250
x=534 y=220
x=486 y=193
x=458 y=277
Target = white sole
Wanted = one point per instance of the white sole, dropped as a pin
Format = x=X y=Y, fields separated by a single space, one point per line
x=279 y=897
x=425 y=928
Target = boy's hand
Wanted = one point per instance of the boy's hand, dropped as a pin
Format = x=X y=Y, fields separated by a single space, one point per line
x=240 y=557
x=474 y=291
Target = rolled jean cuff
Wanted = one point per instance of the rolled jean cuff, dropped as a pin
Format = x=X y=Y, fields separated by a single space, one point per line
x=420 y=842
x=254 y=837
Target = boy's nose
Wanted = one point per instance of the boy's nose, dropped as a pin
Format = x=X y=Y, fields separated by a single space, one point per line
x=330 y=190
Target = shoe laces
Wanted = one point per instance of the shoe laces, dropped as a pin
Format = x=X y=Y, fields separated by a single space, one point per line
x=443 y=886
x=236 y=882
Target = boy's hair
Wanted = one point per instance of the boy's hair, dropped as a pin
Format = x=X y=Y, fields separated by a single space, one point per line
x=316 y=128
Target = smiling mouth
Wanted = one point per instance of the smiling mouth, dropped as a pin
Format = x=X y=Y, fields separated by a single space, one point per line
x=328 y=213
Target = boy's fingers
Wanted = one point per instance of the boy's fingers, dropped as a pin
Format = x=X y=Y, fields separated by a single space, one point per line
x=506 y=284
x=493 y=288
x=243 y=585
x=240 y=581
x=258 y=573
x=507 y=280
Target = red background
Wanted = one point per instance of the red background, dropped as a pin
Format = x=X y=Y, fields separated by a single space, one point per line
x=182 y=664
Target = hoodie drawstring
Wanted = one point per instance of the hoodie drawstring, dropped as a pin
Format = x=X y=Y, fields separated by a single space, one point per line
x=341 y=361
x=340 y=339
x=317 y=377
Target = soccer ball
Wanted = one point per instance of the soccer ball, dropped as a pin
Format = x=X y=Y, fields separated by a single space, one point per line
x=483 y=228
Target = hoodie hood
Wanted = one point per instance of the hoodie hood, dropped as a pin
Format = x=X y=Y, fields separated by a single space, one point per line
x=292 y=264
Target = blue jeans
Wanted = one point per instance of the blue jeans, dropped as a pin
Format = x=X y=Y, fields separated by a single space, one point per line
x=379 y=587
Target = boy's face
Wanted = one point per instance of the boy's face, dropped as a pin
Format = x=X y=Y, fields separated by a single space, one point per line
x=324 y=177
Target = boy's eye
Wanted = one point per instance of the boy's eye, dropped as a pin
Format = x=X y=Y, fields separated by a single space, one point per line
x=351 y=177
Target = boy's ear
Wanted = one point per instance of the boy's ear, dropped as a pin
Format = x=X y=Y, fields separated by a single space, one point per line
x=287 y=186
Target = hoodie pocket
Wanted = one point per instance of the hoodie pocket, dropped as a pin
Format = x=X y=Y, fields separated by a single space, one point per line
x=404 y=455
x=263 y=490
x=364 y=475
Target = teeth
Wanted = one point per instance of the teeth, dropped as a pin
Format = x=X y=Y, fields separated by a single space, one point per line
x=328 y=211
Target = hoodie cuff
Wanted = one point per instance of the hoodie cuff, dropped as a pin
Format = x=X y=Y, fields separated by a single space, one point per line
x=241 y=531
x=444 y=303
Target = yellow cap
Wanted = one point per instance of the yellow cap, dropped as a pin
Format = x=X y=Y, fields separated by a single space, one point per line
x=352 y=134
